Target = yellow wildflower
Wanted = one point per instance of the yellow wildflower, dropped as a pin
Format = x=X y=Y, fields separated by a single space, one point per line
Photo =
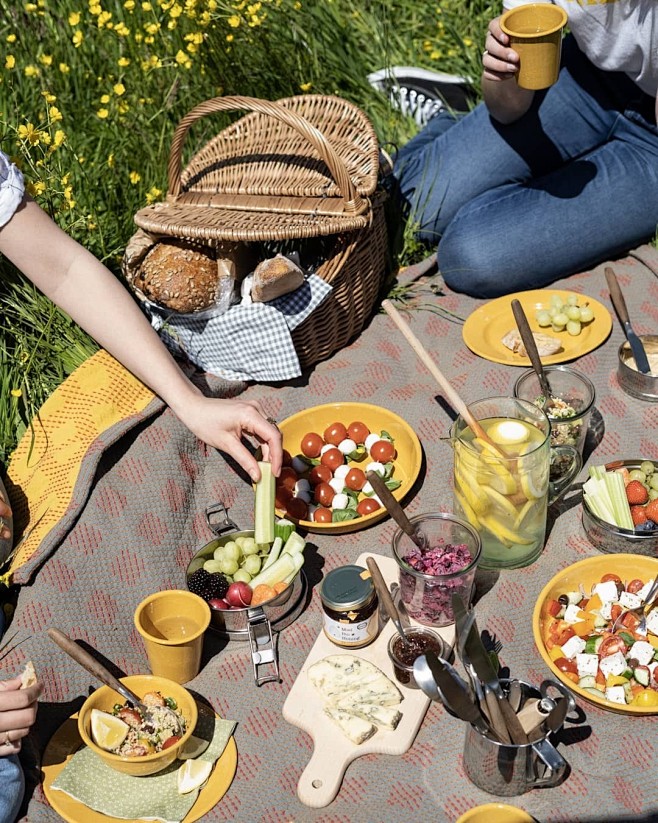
x=129 y=5
x=10 y=61
x=153 y=194
x=11 y=38
x=55 y=114
x=46 y=59
x=102 y=113
x=105 y=99
x=119 y=89
x=29 y=7
x=467 y=41
x=123 y=62
x=147 y=7
x=60 y=137
x=104 y=18
x=31 y=71
x=35 y=189
x=175 y=10
x=122 y=30
x=64 y=68
x=306 y=86
x=77 y=39
x=16 y=393
x=152 y=28
x=74 y=18
x=110 y=160
x=95 y=8
x=233 y=21
x=30 y=133
x=135 y=177
x=91 y=225
x=65 y=179
x=230 y=38
x=49 y=97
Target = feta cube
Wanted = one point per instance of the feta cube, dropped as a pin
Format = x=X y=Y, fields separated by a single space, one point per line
x=652 y=621
x=606 y=610
x=613 y=664
x=615 y=694
x=644 y=591
x=588 y=664
x=629 y=601
x=642 y=652
x=606 y=591
x=571 y=614
x=574 y=645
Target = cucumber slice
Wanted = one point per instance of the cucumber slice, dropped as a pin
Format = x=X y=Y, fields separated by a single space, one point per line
x=283 y=528
x=587 y=682
x=264 y=505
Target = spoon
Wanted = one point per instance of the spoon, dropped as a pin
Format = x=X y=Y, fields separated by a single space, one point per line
x=619 y=303
x=531 y=348
x=99 y=671
x=451 y=395
x=385 y=596
x=396 y=511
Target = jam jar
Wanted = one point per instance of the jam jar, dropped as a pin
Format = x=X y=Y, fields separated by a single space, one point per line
x=421 y=639
x=350 y=606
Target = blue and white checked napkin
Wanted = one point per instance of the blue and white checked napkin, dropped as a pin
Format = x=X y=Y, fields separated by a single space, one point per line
x=246 y=342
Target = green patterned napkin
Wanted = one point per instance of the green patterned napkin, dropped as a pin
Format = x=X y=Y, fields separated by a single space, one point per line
x=87 y=779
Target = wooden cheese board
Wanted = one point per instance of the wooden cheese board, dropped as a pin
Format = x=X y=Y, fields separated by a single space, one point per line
x=332 y=750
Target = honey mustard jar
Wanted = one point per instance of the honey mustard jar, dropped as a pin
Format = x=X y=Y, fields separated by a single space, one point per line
x=350 y=606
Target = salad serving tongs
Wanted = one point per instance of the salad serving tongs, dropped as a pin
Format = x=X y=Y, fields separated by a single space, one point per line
x=98 y=670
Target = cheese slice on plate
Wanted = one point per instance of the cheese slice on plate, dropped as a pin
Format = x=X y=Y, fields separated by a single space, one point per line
x=357 y=729
x=387 y=717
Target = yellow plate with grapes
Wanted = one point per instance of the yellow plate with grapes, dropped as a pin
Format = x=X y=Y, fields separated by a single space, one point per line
x=485 y=328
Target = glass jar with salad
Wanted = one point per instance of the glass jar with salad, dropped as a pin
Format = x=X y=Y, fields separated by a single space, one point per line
x=596 y=641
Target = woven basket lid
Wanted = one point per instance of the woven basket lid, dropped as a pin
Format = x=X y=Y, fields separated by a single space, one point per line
x=299 y=167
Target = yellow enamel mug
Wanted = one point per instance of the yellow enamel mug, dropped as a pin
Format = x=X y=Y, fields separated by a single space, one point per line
x=535 y=32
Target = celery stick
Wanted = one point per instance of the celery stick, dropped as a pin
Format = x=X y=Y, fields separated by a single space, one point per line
x=298 y=559
x=264 y=505
x=605 y=494
x=275 y=551
x=278 y=571
x=294 y=544
x=621 y=507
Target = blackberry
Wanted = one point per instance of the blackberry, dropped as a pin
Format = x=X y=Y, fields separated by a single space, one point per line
x=217 y=586
x=198 y=582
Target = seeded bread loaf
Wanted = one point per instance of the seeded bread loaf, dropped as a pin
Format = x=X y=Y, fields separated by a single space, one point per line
x=179 y=277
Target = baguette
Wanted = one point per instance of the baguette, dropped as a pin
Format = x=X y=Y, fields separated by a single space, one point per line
x=29 y=675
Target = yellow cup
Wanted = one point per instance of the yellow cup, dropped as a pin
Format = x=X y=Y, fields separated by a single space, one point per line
x=172 y=624
x=535 y=32
x=496 y=813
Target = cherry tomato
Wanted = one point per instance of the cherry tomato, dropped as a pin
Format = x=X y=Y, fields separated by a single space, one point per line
x=611 y=645
x=611 y=576
x=130 y=716
x=552 y=607
x=171 y=741
x=332 y=458
x=358 y=432
x=335 y=434
x=565 y=665
x=634 y=586
x=311 y=444
x=288 y=478
x=324 y=494
x=320 y=474
x=286 y=459
x=282 y=497
x=367 y=506
x=322 y=515
x=615 y=611
x=630 y=621
x=383 y=451
x=646 y=698
x=355 y=479
x=297 y=508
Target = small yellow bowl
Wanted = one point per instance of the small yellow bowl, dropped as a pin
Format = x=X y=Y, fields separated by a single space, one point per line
x=496 y=813
x=586 y=573
x=105 y=698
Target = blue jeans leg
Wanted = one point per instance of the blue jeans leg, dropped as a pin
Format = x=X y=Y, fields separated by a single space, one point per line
x=12 y=788
x=570 y=184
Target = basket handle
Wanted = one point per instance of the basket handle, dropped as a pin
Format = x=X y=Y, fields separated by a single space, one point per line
x=354 y=203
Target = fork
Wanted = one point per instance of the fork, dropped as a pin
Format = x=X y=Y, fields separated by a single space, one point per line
x=643 y=609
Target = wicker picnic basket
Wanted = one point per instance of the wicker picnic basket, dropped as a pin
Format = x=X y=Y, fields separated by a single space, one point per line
x=294 y=170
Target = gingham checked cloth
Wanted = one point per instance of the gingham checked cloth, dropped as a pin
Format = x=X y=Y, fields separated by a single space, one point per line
x=246 y=342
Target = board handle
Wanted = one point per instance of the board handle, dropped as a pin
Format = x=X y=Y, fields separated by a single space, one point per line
x=320 y=781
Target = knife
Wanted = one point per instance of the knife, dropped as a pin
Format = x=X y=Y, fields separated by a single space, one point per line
x=620 y=306
x=479 y=657
x=454 y=690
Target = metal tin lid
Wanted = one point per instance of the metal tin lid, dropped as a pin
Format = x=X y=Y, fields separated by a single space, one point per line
x=347 y=587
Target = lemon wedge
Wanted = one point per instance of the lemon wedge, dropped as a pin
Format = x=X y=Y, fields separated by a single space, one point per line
x=500 y=502
x=192 y=775
x=534 y=484
x=470 y=515
x=107 y=731
x=475 y=498
x=506 y=536
x=193 y=748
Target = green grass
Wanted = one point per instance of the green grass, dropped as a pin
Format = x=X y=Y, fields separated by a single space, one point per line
x=90 y=94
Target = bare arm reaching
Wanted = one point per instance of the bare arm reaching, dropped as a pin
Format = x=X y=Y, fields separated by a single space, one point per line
x=77 y=282
x=504 y=98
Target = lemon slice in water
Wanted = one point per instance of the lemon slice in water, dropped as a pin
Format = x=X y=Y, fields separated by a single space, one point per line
x=193 y=774
x=107 y=731
x=500 y=502
x=508 y=432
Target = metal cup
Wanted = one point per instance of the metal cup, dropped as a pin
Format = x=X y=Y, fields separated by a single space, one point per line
x=507 y=770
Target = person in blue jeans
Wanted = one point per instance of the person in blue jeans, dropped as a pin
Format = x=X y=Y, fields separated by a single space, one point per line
x=531 y=187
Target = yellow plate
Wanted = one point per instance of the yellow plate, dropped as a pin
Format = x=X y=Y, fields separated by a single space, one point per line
x=486 y=326
x=587 y=573
x=407 y=461
x=66 y=741
x=496 y=813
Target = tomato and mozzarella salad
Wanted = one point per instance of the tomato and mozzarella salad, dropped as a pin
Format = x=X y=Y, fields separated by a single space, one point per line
x=610 y=659
x=325 y=481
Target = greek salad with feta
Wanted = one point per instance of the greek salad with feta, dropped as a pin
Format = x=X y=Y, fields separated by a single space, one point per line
x=597 y=643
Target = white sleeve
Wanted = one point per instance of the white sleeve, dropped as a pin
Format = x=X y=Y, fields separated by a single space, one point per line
x=12 y=189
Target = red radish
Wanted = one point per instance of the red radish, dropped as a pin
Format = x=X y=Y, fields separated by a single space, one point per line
x=218 y=603
x=238 y=595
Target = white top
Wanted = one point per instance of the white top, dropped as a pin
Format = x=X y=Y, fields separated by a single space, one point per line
x=12 y=189
x=616 y=35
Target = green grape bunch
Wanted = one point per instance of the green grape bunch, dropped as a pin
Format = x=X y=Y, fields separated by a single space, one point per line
x=561 y=315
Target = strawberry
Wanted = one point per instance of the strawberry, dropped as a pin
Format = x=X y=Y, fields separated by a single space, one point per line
x=639 y=515
x=636 y=493
x=651 y=510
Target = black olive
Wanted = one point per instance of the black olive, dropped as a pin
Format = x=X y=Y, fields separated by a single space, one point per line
x=563 y=600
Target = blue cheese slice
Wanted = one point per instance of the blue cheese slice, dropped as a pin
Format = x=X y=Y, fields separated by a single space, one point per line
x=386 y=717
x=355 y=728
x=341 y=674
